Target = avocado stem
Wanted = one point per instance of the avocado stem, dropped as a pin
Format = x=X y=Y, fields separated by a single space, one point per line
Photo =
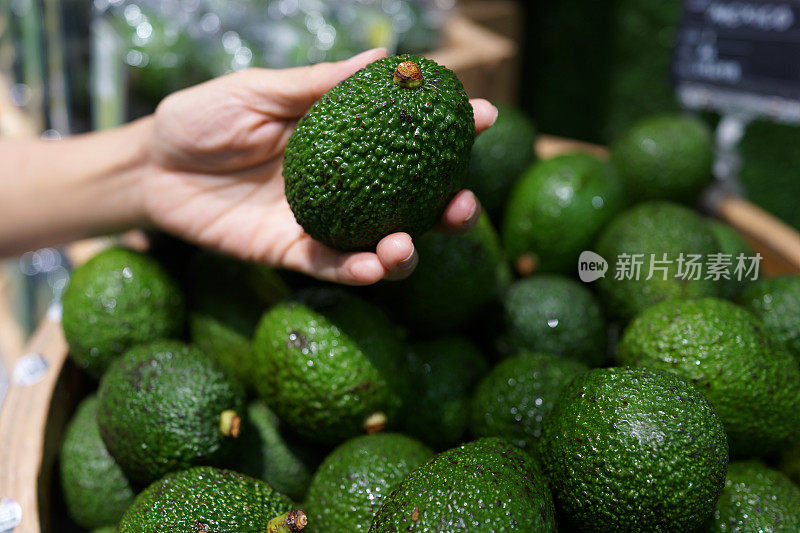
x=408 y=75
x=230 y=423
x=290 y=522
x=375 y=422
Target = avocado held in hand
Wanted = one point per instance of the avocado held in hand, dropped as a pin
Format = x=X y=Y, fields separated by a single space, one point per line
x=383 y=151
x=165 y=406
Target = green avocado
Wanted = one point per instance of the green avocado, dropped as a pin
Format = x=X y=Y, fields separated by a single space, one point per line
x=753 y=381
x=667 y=237
x=95 y=489
x=352 y=482
x=500 y=155
x=116 y=300
x=789 y=463
x=165 y=406
x=457 y=276
x=518 y=394
x=554 y=314
x=776 y=301
x=106 y=529
x=383 y=151
x=756 y=498
x=733 y=244
x=557 y=208
x=268 y=452
x=628 y=449
x=330 y=365
x=664 y=157
x=443 y=373
x=206 y=499
x=484 y=485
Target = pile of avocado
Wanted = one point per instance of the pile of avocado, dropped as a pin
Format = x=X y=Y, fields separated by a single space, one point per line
x=490 y=391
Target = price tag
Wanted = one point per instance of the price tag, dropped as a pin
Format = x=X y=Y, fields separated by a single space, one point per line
x=740 y=57
x=10 y=515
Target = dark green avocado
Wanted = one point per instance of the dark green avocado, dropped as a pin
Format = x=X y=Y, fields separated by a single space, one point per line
x=205 y=499
x=330 y=365
x=776 y=301
x=484 y=485
x=756 y=498
x=352 y=482
x=95 y=489
x=383 y=151
x=165 y=406
x=512 y=401
x=500 y=155
x=753 y=381
x=443 y=373
x=634 y=450
x=116 y=300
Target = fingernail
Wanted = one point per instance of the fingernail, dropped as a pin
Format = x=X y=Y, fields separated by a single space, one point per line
x=474 y=214
x=408 y=260
x=496 y=113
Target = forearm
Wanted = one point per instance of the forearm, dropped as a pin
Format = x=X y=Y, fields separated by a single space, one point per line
x=57 y=191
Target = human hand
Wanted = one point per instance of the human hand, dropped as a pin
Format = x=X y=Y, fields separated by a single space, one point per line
x=216 y=154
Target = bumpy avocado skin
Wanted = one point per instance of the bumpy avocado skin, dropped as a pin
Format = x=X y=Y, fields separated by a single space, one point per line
x=116 y=300
x=512 y=401
x=353 y=481
x=628 y=449
x=753 y=382
x=204 y=498
x=500 y=155
x=457 y=277
x=776 y=301
x=557 y=209
x=371 y=158
x=95 y=489
x=730 y=242
x=664 y=157
x=443 y=373
x=554 y=314
x=159 y=409
x=484 y=485
x=654 y=228
x=327 y=361
x=756 y=498
x=269 y=454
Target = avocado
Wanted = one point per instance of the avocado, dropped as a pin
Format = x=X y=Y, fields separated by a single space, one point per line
x=664 y=157
x=226 y=299
x=500 y=155
x=734 y=245
x=652 y=232
x=95 y=489
x=208 y=499
x=789 y=463
x=165 y=406
x=484 y=485
x=554 y=314
x=556 y=210
x=776 y=301
x=383 y=151
x=268 y=452
x=330 y=365
x=753 y=381
x=116 y=300
x=443 y=373
x=106 y=529
x=756 y=498
x=352 y=482
x=629 y=449
x=518 y=394
x=457 y=277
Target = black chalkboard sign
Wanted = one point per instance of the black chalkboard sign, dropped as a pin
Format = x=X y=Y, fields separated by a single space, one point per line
x=740 y=55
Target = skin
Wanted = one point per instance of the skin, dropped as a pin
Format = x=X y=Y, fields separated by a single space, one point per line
x=207 y=168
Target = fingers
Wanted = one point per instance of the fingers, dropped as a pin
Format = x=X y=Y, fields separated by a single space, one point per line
x=315 y=259
x=397 y=255
x=461 y=214
x=484 y=112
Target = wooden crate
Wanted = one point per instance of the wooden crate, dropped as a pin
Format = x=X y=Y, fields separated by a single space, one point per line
x=33 y=417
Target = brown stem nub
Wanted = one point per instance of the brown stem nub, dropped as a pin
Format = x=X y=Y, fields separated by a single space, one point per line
x=290 y=522
x=375 y=422
x=408 y=75
x=230 y=423
x=526 y=264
